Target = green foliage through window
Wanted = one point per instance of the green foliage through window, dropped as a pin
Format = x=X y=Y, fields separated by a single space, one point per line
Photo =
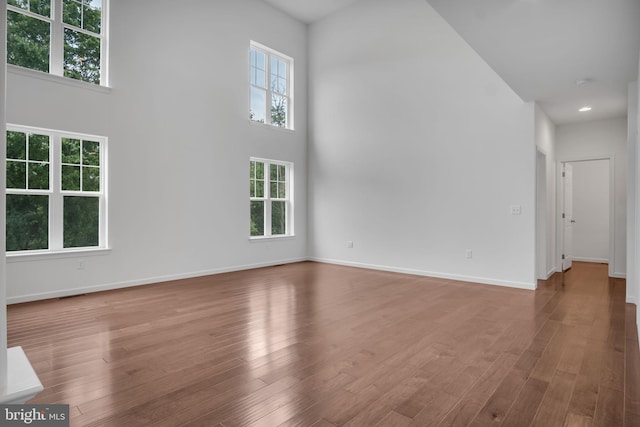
x=36 y=199
x=81 y=221
x=269 y=198
x=28 y=41
x=29 y=37
x=81 y=56
x=27 y=222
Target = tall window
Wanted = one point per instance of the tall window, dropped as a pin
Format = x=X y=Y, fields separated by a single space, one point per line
x=61 y=37
x=270 y=82
x=55 y=190
x=271 y=202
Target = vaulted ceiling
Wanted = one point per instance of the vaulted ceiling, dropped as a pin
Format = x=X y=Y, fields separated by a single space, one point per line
x=563 y=54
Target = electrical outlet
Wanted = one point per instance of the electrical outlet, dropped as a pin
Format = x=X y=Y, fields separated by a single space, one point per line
x=468 y=254
x=516 y=210
x=350 y=244
x=81 y=264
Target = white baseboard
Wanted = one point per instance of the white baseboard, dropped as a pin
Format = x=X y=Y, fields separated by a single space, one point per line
x=618 y=275
x=471 y=279
x=597 y=260
x=146 y=281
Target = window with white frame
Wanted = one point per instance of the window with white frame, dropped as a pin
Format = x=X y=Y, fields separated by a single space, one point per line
x=271 y=201
x=55 y=191
x=270 y=87
x=60 y=37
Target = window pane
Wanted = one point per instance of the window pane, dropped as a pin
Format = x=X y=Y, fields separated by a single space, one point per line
x=257 y=218
x=282 y=190
x=81 y=221
x=91 y=153
x=41 y=7
x=16 y=175
x=91 y=18
x=278 y=110
x=273 y=172
x=71 y=151
x=258 y=105
x=252 y=170
x=278 y=218
x=39 y=147
x=278 y=76
x=72 y=13
x=259 y=189
x=28 y=41
x=90 y=178
x=257 y=68
x=70 y=178
x=261 y=60
x=16 y=145
x=81 y=56
x=38 y=176
x=282 y=86
x=260 y=170
x=273 y=191
x=252 y=188
x=27 y=222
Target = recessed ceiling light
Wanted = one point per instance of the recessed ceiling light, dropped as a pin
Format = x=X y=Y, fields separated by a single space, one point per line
x=584 y=109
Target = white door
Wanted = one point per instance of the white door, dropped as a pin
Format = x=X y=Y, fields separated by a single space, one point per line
x=567 y=216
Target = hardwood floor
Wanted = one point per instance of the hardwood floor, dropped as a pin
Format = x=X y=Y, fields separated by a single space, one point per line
x=321 y=345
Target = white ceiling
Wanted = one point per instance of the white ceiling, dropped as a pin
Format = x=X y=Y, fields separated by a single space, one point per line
x=540 y=47
x=309 y=11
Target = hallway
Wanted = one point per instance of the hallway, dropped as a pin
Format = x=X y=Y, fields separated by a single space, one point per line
x=595 y=332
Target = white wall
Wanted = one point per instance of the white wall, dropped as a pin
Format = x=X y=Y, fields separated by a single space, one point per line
x=637 y=132
x=3 y=275
x=591 y=211
x=417 y=150
x=600 y=139
x=179 y=144
x=632 y=194
x=545 y=135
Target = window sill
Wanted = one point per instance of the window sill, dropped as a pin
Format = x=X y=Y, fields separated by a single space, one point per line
x=47 y=255
x=275 y=128
x=21 y=71
x=257 y=239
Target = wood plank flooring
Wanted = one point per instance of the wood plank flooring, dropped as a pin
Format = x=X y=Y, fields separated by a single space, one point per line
x=321 y=345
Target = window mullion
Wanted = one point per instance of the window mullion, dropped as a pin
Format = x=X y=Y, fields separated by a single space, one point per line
x=55 y=198
x=267 y=197
x=104 y=48
x=57 y=40
x=267 y=84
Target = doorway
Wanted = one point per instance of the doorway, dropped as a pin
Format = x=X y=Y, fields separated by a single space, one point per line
x=586 y=212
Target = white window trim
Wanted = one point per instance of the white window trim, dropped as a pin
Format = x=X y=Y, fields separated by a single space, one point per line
x=56 y=195
x=56 y=48
x=35 y=74
x=290 y=231
x=290 y=93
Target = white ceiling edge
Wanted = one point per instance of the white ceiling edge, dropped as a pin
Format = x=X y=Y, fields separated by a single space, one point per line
x=309 y=11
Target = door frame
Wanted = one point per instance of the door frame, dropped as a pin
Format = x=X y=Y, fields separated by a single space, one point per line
x=542 y=246
x=560 y=207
